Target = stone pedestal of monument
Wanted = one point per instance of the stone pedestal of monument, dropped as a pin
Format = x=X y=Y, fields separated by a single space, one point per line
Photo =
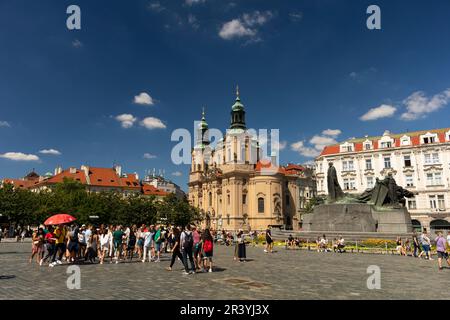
x=357 y=217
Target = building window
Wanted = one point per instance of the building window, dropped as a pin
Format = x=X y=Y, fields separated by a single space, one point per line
x=228 y=199
x=349 y=184
x=427 y=140
x=404 y=142
x=320 y=167
x=407 y=161
x=368 y=164
x=244 y=199
x=431 y=158
x=409 y=180
x=287 y=200
x=367 y=146
x=441 y=202
x=347 y=165
x=370 y=183
x=434 y=179
x=210 y=199
x=387 y=162
x=260 y=205
x=412 y=204
x=437 y=202
x=387 y=144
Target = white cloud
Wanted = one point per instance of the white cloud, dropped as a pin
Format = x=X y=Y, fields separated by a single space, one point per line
x=331 y=132
x=235 y=29
x=126 y=120
x=51 y=152
x=4 y=124
x=281 y=145
x=418 y=105
x=177 y=174
x=321 y=142
x=156 y=6
x=77 y=43
x=246 y=26
x=383 y=111
x=192 y=20
x=257 y=18
x=153 y=123
x=144 y=99
x=149 y=156
x=305 y=151
x=19 y=156
x=296 y=16
x=194 y=2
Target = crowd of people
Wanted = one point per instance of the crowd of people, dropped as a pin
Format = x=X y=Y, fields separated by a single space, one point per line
x=192 y=246
x=19 y=234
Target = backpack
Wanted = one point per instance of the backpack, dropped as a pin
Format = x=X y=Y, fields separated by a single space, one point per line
x=207 y=246
x=188 y=240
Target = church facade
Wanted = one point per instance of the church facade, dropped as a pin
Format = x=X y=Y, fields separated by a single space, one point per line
x=235 y=188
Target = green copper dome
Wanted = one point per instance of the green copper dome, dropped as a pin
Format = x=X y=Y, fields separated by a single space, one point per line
x=237 y=106
x=237 y=113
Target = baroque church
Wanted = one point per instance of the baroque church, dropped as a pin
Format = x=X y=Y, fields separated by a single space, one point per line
x=235 y=188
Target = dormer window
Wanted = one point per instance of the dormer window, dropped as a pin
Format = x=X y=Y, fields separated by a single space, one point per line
x=447 y=136
x=367 y=145
x=347 y=147
x=387 y=144
x=429 y=138
x=405 y=141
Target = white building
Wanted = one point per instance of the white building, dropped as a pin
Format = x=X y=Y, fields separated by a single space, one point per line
x=419 y=161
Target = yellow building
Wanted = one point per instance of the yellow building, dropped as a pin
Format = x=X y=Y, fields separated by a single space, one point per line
x=234 y=188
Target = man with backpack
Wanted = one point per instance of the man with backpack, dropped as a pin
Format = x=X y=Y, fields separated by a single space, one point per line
x=187 y=243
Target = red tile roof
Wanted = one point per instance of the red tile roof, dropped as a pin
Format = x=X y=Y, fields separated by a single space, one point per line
x=18 y=183
x=104 y=177
x=78 y=175
x=267 y=164
x=358 y=143
x=130 y=181
x=150 y=190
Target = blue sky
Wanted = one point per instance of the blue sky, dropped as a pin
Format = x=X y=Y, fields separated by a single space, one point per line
x=302 y=66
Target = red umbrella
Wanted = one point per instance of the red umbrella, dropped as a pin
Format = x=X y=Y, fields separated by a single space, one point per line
x=59 y=219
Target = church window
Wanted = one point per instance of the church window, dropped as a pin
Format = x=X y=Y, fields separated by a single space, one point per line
x=260 y=205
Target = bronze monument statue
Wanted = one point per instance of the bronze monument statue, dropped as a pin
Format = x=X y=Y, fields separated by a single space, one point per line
x=386 y=193
x=334 y=189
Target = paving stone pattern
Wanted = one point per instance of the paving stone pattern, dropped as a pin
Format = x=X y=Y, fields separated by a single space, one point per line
x=285 y=274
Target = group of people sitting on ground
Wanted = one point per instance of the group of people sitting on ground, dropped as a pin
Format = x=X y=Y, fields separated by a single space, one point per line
x=338 y=244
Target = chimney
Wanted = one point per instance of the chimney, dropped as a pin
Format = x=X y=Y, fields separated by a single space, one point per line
x=58 y=170
x=118 y=170
x=137 y=176
x=73 y=170
x=85 y=169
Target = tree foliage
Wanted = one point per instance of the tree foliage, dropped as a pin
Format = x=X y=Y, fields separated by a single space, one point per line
x=29 y=208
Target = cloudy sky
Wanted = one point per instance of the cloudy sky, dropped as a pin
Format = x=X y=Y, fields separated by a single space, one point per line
x=137 y=70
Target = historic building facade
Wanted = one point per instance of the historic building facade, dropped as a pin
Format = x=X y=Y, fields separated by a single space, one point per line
x=234 y=188
x=419 y=161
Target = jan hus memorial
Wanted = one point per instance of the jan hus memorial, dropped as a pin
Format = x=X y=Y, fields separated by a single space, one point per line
x=380 y=209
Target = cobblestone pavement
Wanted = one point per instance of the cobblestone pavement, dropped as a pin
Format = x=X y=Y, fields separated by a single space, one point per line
x=285 y=274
